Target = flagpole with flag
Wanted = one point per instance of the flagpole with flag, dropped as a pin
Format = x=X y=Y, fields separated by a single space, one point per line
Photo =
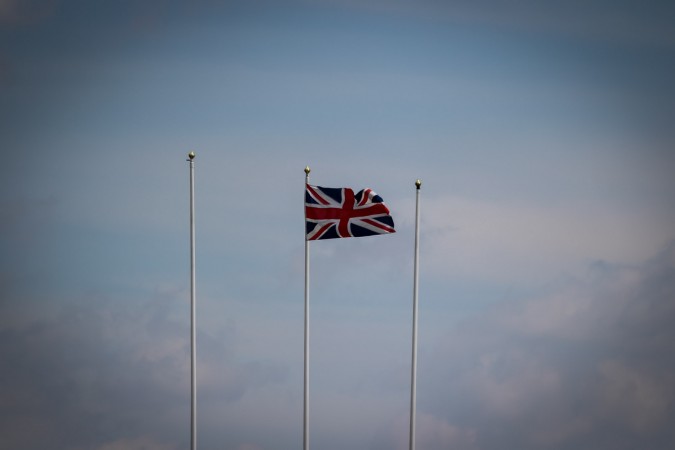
x=193 y=335
x=332 y=213
x=413 y=377
x=305 y=410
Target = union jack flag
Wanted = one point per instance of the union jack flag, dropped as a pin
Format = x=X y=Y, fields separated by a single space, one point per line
x=339 y=213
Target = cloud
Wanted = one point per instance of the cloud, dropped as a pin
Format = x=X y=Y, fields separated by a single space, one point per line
x=588 y=365
x=108 y=372
x=431 y=433
x=637 y=397
x=510 y=240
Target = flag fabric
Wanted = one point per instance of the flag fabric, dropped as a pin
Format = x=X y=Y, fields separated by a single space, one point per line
x=332 y=213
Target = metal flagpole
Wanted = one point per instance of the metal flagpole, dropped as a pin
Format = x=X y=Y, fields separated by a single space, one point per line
x=305 y=411
x=413 y=381
x=193 y=333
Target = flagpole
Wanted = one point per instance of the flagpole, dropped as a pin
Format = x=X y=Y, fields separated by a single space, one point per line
x=305 y=411
x=413 y=381
x=193 y=335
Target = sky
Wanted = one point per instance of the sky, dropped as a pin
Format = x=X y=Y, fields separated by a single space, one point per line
x=544 y=136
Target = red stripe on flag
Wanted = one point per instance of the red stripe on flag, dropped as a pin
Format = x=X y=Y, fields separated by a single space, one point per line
x=346 y=212
x=335 y=213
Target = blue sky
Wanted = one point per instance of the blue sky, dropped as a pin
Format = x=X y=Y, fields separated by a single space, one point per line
x=544 y=136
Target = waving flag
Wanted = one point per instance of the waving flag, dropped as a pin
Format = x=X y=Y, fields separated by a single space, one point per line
x=339 y=213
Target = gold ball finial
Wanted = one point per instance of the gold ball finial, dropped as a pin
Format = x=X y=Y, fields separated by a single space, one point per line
x=191 y=155
x=418 y=183
x=307 y=170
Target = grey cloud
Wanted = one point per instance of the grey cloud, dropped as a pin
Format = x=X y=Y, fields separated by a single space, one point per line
x=589 y=365
x=112 y=373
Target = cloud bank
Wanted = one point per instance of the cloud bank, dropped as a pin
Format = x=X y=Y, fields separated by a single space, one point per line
x=589 y=365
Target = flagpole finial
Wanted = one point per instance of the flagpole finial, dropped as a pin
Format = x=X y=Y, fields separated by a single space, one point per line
x=418 y=183
x=191 y=155
x=307 y=170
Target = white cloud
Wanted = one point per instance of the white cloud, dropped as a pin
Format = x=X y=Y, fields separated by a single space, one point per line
x=561 y=368
x=518 y=241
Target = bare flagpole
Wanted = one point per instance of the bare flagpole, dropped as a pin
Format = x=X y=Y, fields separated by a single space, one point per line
x=193 y=334
x=305 y=411
x=413 y=381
